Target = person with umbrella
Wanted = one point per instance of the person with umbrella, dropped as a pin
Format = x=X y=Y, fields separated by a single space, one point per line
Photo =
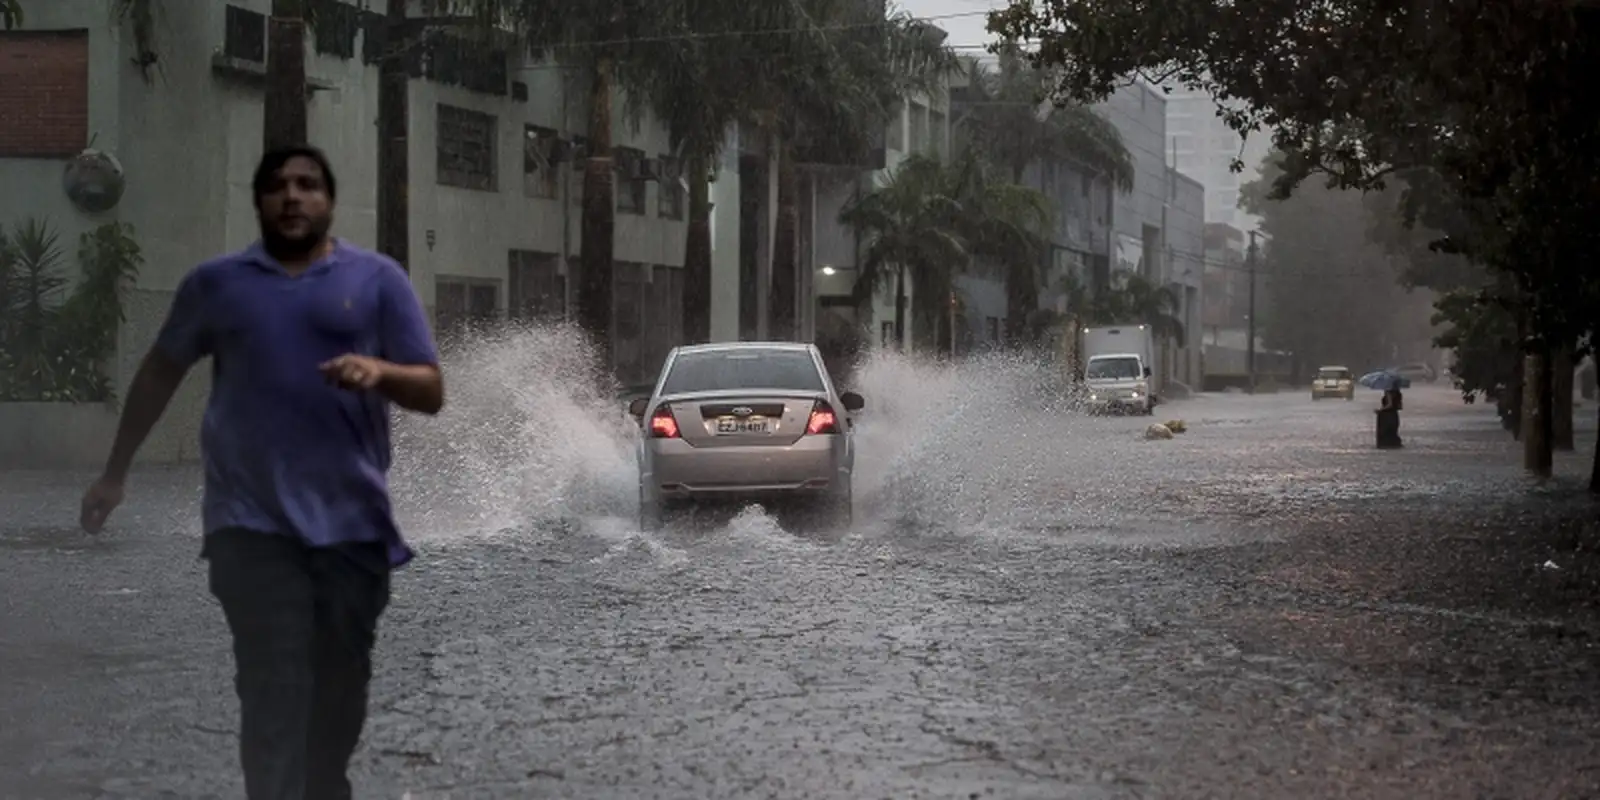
x=1388 y=411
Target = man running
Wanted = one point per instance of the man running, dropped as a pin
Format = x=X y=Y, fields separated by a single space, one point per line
x=311 y=338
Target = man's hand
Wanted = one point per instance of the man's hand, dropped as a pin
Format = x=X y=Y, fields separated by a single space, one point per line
x=355 y=372
x=104 y=495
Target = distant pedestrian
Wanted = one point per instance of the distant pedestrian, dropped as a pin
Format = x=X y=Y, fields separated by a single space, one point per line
x=311 y=338
x=1389 y=419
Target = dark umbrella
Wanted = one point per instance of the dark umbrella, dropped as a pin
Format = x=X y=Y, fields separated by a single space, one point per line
x=1383 y=380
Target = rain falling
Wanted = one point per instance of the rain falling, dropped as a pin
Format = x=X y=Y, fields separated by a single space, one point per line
x=798 y=399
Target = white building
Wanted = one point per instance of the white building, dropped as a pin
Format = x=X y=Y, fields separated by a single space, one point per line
x=493 y=229
x=1206 y=148
x=1160 y=223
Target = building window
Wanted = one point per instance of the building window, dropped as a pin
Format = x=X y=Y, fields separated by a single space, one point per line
x=463 y=304
x=244 y=35
x=536 y=290
x=993 y=329
x=466 y=148
x=539 y=175
x=919 y=129
x=936 y=133
x=630 y=185
x=44 y=91
x=337 y=24
x=672 y=192
x=896 y=140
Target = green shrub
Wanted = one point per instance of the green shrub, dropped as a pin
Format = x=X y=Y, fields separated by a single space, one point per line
x=57 y=337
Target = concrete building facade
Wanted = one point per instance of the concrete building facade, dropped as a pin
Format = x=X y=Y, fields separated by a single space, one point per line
x=1186 y=273
x=495 y=201
x=1159 y=224
x=1206 y=147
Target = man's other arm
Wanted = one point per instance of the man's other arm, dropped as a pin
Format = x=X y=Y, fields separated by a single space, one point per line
x=184 y=339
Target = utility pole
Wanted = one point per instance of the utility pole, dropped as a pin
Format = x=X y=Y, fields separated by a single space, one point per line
x=1250 y=329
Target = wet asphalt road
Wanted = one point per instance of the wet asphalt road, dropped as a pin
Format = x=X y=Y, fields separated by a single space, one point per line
x=1041 y=607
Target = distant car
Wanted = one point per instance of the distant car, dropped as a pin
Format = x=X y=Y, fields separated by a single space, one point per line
x=1333 y=381
x=1416 y=372
x=746 y=422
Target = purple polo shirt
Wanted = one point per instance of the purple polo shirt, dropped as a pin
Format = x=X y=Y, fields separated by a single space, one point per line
x=286 y=453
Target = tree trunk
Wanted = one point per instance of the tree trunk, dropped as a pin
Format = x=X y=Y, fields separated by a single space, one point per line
x=394 y=160
x=1514 y=406
x=1594 y=471
x=1022 y=299
x=785 y=257
x=900 y=309
x=1536 y=455
x=1561 y=380
x=284 y=108
x=697 y=255
x=599 y=217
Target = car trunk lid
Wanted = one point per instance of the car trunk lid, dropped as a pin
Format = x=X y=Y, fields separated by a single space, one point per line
x=764 y=419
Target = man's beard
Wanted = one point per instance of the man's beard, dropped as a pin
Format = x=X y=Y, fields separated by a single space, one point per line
x=294 y=247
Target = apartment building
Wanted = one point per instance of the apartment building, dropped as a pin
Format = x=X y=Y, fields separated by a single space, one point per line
x=495 y=151
x=1205 y=148
x=494 y=200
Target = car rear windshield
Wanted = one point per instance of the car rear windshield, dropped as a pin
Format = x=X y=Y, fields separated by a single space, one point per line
x=732 y=370
x=1332 y=374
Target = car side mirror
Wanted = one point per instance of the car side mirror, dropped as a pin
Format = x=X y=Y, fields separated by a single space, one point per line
x=637 y=407
x=852 y=401
x=1147 y=372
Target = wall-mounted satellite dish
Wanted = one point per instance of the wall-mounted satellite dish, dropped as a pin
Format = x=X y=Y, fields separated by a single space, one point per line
x=94 y=181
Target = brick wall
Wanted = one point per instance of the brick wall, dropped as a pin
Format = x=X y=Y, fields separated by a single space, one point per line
x=44 y=90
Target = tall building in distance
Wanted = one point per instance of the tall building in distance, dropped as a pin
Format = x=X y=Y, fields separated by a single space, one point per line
x=1205 y=147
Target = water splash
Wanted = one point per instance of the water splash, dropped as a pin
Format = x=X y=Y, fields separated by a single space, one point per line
x=527 y=437
x=530 y=443
x=963 y=445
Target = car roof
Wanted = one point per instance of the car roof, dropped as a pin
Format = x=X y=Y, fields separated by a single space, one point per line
x=1334 y=366
x=717 y=347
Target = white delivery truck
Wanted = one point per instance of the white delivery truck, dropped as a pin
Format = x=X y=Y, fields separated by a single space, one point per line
x=1119 y=369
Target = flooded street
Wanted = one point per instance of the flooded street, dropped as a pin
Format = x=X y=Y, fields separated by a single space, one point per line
x=1033 y=604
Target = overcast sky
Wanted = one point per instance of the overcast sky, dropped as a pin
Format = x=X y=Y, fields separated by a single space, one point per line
x=963 y=19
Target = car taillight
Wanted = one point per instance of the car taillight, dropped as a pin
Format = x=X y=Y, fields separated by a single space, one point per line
x=822 y=419
x=663 y=425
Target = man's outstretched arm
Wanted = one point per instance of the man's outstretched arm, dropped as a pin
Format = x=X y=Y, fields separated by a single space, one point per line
x=412 y=379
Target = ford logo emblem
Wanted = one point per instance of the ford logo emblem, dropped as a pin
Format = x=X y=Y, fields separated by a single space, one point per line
x=743 y=411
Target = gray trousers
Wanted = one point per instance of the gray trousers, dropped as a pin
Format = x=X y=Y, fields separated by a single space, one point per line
x=304 y=620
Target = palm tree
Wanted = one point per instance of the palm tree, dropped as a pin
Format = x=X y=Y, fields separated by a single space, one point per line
x=605 y=46
x=933 y=221
x=1005 y=114
x=1135 y=298
x=1007 y=224
x=711 y=70
x=834 y=93
x=394 y=130
x=1131 y=299
x=284 y=109
x=911 y=225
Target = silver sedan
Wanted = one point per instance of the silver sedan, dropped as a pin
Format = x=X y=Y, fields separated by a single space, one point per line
x=745 y=422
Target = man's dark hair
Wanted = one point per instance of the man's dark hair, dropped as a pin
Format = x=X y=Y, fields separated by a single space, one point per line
x=273 y=160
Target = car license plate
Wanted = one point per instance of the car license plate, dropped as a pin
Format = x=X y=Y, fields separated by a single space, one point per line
x=734 y=425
